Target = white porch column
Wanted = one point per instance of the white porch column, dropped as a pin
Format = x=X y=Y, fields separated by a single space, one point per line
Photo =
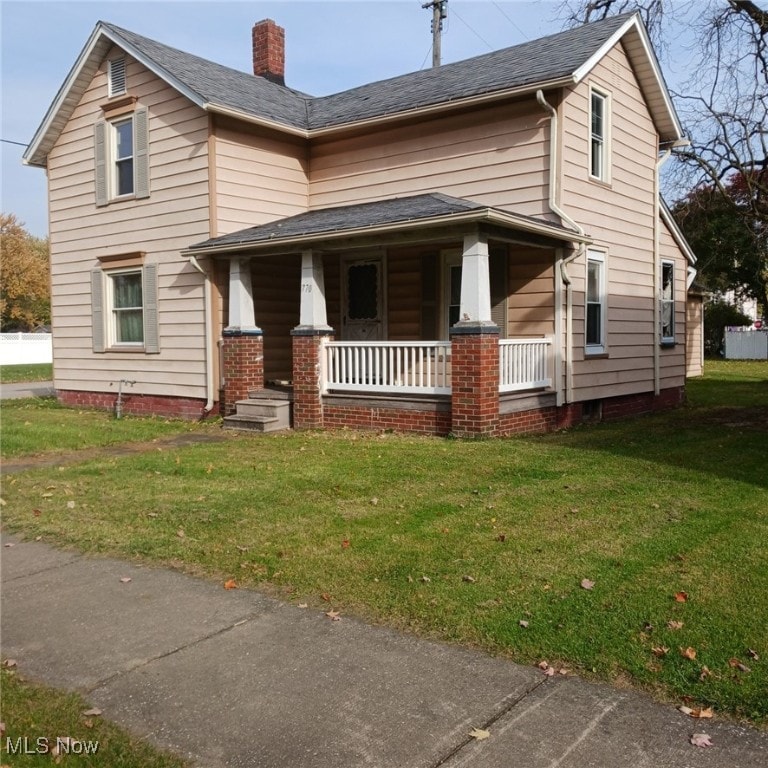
x=313 y=312
x=475 y=306
x=241 y=312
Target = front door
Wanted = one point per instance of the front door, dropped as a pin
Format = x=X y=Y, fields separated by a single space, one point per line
x=363 y=301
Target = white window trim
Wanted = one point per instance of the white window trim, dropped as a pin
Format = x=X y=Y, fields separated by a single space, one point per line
x=602 y=347
x=110 y=310
x=662 y=301
x=605 y=155
x=113 y=158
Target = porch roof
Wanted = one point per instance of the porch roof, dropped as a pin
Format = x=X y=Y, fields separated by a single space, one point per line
x=316 y=228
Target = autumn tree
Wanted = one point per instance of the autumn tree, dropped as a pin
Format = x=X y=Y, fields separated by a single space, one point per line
x=723 y=104
x=24 y=271
x=732 y=248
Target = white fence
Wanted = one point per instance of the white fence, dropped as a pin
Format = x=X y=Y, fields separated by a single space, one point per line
x=398 y=367
x=25 y=348
x=524 y=364
x=746 y=345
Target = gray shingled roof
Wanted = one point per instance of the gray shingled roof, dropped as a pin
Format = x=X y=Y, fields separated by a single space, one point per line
x=547 y=59
x=361 y=215
x=222 y=85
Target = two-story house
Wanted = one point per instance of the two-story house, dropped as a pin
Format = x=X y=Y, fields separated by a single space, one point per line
x=478 y=248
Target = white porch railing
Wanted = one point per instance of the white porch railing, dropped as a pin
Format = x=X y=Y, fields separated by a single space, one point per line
x=524 y=364
x=397 y=367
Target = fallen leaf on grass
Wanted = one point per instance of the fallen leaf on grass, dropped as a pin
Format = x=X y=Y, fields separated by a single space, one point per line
x=374 y=501
x=180 y=533
x=674 y=624
x=345 y=544
x=736 y=664
x=699 y=713
x=71 y=505
x=469 y=579
x=425 y=579
x=37 y=512
x=701 y=740
x=501 y=537
x=10 y=544
x=681 y=597
x=126 y=580
x=9 y=663
x=95 y=712
x=705 y=673
x=660 y=650
x=333 y=615
x=752 y=654
x=479 y=734
x=241 y=548
x=587 y=584
x=688 y=653
x=523 y=623
x=230 y=584
x=325 y=596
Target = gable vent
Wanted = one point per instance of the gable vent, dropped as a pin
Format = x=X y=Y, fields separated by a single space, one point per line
x=116 y=75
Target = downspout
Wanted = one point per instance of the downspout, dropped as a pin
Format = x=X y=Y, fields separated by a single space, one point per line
x=562 y=262
x=208 y=331
x=656 y=269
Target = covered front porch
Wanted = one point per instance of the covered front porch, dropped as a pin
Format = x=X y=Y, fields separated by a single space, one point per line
x=427 y=314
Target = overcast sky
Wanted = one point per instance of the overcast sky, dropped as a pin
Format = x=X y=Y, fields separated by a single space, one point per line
x=330 y=46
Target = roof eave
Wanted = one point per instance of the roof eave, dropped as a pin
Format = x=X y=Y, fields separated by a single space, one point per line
x=443 y=106
x=477 y=216
x=247 y=117
x=37 y=151
x=664 y=115
x=676 y=232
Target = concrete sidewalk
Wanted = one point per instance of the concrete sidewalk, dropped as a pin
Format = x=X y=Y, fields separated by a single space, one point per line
x=26 y=389
x=233 y=678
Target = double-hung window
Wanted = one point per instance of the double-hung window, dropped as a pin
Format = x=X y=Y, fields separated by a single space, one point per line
x=595 y=320
x=124 y=305
x=667 y=302
x=599 y=127
x=122 y=157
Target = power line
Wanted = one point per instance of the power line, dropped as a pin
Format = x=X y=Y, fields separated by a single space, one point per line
x=513 y=23
x=477 y=34
x=19 y=143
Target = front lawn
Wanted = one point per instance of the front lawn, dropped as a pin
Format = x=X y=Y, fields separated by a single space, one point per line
x=485 y=543
x=14 y=374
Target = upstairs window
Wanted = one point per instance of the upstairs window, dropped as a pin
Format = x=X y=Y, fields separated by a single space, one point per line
x=595 y=320
x=115 y=77
x=598 y=135
x=667 y=302
x=121 y=148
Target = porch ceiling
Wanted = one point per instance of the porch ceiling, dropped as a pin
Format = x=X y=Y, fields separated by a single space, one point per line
x=421 y=217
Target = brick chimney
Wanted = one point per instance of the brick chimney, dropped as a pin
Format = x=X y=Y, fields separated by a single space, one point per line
x=269 y=51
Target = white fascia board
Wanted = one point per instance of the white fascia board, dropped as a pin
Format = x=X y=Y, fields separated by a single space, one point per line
x=676 y=232
x=99 y=34
x=658 y=83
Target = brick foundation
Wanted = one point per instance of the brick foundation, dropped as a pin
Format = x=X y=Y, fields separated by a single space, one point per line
x=242 y=367
x=136 y=405
x=307 y=400
x=474 y=381
x=427 y=422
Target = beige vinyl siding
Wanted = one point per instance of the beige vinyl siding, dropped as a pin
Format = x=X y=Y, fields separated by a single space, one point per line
x=174 y=216
x=497 y=156
x=673 y=359
x=260 y=176
x=531 y=303
x=619 y=216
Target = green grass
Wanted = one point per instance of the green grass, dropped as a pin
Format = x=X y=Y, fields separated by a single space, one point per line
x=644 y=508
x=13 y=374
x=34 y=712
x=41 y=426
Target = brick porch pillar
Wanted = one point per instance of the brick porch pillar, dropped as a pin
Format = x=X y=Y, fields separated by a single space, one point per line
x=243 y=365
x=474 y=379
x=307 y=383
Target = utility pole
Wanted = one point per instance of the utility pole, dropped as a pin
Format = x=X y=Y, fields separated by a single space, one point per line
x=439 y=12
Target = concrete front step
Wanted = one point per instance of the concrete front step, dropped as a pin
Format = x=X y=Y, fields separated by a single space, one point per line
x=260 y=415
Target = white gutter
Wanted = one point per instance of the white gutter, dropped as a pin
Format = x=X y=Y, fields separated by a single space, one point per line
x=562 y=262
x=208 y=332
x=478 y=215
x=656 y=269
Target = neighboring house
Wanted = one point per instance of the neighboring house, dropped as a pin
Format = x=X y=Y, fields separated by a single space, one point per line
x=474 y=249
